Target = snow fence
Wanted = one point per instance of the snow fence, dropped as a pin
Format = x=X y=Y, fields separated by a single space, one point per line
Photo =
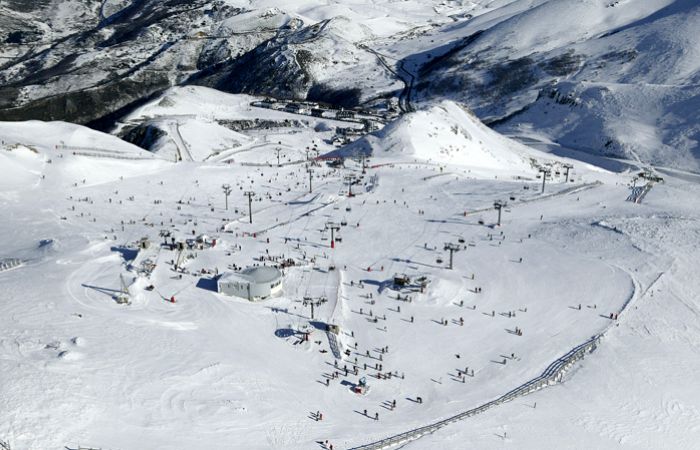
x=9 y=263
x=552 y=374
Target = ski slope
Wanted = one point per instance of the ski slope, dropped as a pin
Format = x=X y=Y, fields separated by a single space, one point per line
x=80 y=369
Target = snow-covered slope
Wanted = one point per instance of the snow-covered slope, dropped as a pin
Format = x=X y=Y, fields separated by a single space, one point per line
x=618 y=78
x=198 y=123
x=448 y=134
x=321 y=62
x=84 y=60
x=52 y=135
x=609 y=77
x=212 y=371
x=493 y=299
x=69 y=154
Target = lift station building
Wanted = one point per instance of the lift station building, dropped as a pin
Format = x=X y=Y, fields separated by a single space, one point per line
x=252 y=283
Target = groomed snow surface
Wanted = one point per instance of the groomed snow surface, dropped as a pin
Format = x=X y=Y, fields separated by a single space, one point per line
x=210 y=371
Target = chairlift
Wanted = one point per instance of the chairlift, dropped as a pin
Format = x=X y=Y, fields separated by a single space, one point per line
x=338 y=239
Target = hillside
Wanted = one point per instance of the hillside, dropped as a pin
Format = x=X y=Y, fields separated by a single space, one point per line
x=612 y=78
x=182 y=363
x=73 y=155
x=364 y=225
x=446 y=133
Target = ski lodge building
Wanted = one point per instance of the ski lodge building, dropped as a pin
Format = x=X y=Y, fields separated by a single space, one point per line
x=252 y=283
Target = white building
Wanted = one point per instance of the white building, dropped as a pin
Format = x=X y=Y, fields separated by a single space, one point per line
x=252 y=283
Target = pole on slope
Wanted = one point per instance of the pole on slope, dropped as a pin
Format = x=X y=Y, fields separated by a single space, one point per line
x=545 y=171
x=227 y=191
x=499 y=205
x=349 y=179
x=568 y=167
x=333 y=227
x=452 y=248
x=250 y=195
x=310 y=302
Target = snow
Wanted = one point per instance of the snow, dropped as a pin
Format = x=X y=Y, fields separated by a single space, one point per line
x=220 y=372
x=22 y=168
x=447 y=133
x=194 y=121
x=212 y=371
x=631 y=69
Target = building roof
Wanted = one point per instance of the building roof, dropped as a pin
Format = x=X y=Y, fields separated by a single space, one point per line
x=262 y=274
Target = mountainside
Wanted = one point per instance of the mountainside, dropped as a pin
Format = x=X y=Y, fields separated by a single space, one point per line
x=446 y=133
x=366 y=224
x=83 y=60
x=450 y=275
x=113 y=54
x=616 y=78
x=316 y=62
x=76 y=156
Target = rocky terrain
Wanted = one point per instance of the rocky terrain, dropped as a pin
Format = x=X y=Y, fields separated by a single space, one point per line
x=565 y=84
